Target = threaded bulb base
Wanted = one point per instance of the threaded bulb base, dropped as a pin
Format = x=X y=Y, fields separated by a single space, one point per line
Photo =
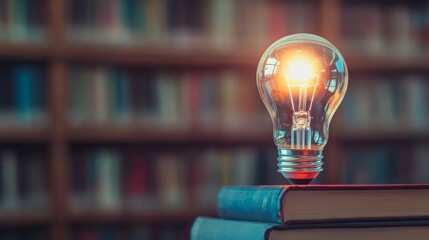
x=299 y=166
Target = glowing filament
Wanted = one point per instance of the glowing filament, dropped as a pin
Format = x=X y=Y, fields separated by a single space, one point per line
x=300 y=72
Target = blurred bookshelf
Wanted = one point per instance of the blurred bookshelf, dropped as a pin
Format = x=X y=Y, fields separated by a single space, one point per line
x=121 y=119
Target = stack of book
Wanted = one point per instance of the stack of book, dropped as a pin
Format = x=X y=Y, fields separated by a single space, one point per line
x=294 y=212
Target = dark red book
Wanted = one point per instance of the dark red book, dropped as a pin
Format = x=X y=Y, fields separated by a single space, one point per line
x=322 y=203
x=136 y=180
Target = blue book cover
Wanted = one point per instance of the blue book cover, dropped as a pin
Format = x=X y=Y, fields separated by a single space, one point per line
x=122 y=104
x=24 y=87
x=321 y=203
x=205 y=228
x=251 y=203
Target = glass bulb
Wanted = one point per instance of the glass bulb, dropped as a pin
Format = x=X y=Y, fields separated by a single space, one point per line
x=302 y=79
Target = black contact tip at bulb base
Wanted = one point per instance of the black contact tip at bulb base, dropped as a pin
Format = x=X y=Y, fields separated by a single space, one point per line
x=297 y=181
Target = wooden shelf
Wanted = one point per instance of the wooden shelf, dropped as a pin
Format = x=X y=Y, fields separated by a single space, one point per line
x=23 y=219
x=24 y=51
x=380 y=135
x=142 y=135
x=158 y=56
x=358 y=63
x=24 y=134
x=122 y=217
x=211 y=57
x=199 y=57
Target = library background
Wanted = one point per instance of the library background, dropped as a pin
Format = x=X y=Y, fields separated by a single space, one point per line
x=121 y=119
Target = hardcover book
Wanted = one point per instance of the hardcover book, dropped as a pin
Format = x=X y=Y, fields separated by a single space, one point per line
x=315 y=203
x=205 y=228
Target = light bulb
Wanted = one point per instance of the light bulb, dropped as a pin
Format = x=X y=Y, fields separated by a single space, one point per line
x=302 y=79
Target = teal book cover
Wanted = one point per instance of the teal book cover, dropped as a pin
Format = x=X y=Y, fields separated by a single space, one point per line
x=25 y=79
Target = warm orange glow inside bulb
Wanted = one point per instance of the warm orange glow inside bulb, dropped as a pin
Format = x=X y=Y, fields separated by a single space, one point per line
x=300 y=72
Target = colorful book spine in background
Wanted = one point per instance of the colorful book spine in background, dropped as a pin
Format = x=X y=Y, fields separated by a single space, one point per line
x=108 y=179
x=137 y=183
x=23 y=181
x=172 y=189
x=22 y=20
x=25 y=85
x=122 y=104
x=34 y=172
x=221 y=17
x=23 y=95
x=91 y=185
x=9 y=160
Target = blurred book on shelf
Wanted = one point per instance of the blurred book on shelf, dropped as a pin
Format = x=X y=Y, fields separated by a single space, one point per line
x=189 y=23
x=385 y=163
x=23 y=95
x=22 y=20
x=387 y=103
x=375 y=28
x=210 y=101
x=372 y=165
x=417 y=169
x=23 y=181
x=112 y=179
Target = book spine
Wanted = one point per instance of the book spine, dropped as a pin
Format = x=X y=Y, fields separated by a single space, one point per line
x=172 y=189
x=37 y=193
x=217 y=229
x=3 y=20
x=10 y=200
x=101 y=97
x=122 y=105
x=108 y=179
x=24 y=79
x=251 y=203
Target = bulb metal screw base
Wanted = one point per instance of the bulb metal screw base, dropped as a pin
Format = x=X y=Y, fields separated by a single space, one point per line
x=299 y=166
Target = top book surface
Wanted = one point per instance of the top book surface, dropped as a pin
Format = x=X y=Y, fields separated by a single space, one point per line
x=317 y=203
